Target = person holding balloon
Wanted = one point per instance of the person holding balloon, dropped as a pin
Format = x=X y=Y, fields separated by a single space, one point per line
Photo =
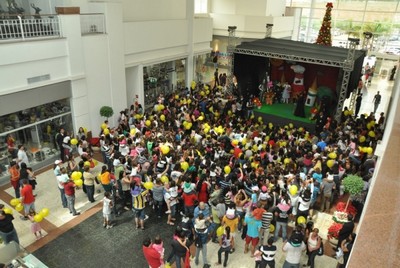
x=69 y=189
x=36 y=229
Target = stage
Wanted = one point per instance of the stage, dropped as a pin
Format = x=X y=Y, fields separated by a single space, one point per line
x=282 y=114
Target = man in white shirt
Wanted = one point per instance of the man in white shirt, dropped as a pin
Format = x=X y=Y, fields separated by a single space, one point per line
x=22 y=156
x=294 y=248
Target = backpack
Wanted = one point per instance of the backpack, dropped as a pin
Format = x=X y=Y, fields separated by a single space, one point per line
x=321 y=248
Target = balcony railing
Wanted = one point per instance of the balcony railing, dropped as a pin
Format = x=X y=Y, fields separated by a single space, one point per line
x=92 y=24
x=21 y=28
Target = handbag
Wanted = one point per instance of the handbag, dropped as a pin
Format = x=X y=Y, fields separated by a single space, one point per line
x=187 y=259
x=197 y=242
x=321 y=249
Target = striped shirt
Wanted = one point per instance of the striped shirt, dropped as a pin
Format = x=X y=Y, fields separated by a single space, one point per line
x=268 y=252
x=266 y=219
x=139 y=201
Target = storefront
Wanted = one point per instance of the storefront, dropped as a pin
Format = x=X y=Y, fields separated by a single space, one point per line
x=34 y=127
x=163 y=78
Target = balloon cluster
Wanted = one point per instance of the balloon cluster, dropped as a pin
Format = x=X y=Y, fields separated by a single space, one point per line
x=16 y=203
x=76 y=177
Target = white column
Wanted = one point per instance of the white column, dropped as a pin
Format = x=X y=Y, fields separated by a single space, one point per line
x=134 y=82
x=71 y=29
x=189 y=61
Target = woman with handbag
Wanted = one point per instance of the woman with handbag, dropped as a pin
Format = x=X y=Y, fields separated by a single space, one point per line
x=313 y=245
x=226 y=244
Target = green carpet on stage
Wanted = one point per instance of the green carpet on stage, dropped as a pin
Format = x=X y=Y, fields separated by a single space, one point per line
x=286 y=111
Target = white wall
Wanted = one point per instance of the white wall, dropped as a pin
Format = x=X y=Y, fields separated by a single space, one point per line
x=140 y=10
x=248 y=7
x=97 y=79
x=275 y=7
x=23 y=60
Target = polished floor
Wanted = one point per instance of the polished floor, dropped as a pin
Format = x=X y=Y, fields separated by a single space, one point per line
x=83 y=242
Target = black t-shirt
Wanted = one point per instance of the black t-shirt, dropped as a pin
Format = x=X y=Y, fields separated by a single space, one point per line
x=6 y=224
x=178 y=248
x=283 y=215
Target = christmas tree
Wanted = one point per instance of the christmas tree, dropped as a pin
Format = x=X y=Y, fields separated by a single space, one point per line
x=324 y=35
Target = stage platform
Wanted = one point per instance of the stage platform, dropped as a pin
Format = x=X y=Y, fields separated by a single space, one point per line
x=282 y=114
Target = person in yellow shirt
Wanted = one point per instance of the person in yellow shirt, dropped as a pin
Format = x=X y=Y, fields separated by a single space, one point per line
x=230 y=219
x=105 y=179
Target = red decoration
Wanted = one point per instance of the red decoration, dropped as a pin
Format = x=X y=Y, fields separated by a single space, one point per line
x=350 y=208
x=334 y=230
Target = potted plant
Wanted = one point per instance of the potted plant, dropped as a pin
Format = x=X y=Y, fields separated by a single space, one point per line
x=106 y=111
x=353 y=185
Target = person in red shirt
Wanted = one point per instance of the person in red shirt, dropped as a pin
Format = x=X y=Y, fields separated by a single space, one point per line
x=27 y=198
x=14 y=177
x=152 y=256
x=69 y=189
x=189 y=202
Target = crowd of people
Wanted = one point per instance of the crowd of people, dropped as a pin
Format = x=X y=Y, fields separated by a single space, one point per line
x=207 y=159
x=197 y=157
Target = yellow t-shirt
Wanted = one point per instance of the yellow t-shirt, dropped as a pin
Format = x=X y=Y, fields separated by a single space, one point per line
x=105 y=178
x=232 y=223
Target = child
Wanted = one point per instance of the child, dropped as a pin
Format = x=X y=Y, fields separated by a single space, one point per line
x=107 y=206
x=159 y=247
x=173 y=191
x=257 y=258
x=36 y=229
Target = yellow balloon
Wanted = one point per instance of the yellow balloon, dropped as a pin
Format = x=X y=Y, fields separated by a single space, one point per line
x=162 y=117
x=19 y=207
x=148 y=123
x=293 y=189
x=176 y=97
x=201 y=118
x=271 y=228
x=76 y=175
x=78 y=182
x=286 y=161
x=74 y=141
x=95 y=162
x=185 y=165
x=332 y=155
x=161 y=107
x=301 y=220
x=133 y=131
x=235 y=142
x=44 y=212
x=86 y=164
x=227 y=169
x=148 y=185
x=165 y=149
x=14 y=202
x=330 y=163
x=106 y=131
x=371 y=134
x=8 y=211
x=361 y=139
x=370 y=150
x=220 y=231
x=164 y=179
x=38 y=218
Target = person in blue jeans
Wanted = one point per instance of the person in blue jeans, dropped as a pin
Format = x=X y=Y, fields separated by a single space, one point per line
x=282 y=212
x=226 y=244
x=7 y=230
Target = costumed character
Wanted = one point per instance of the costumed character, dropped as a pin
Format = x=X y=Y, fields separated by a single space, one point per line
x=299 y=111
x=269 y=97
x=312 y=94
x=286 y=93
x=298 y=82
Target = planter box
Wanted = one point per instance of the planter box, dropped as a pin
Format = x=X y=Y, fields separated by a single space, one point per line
x=68 y=10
